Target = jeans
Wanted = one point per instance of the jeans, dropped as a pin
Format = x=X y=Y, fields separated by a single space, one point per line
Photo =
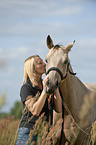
x=23 y=135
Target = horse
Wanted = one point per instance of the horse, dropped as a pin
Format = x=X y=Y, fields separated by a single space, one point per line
x=79 y=100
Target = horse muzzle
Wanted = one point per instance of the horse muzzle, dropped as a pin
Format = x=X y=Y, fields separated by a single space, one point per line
x=51 y=86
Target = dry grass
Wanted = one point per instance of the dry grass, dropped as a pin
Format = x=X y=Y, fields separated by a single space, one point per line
x=46 y=136
x=93 y=134
x=8 y=129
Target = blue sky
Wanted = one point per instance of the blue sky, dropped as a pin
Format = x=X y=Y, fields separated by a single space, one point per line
x=24 y=26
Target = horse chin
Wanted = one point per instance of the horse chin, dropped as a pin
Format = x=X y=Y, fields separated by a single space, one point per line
x=50 y=88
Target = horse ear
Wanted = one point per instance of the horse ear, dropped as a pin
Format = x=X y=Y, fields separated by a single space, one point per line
x=49 y=42
x=69 y=46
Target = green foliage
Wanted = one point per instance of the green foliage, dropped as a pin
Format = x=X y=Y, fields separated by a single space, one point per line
x=4 y=115
x=16 y=110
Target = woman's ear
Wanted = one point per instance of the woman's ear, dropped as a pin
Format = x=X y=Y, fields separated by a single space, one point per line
x=49 y=42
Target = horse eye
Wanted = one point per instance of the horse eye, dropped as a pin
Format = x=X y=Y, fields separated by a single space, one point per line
x=46 y=61
x=66 y=61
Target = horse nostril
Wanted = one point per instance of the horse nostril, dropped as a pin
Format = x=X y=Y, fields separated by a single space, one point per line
x=57 y=84
x=49 y=90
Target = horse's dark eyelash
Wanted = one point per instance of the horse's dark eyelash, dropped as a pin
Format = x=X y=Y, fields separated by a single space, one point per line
x=66 y=61
x=46 y=60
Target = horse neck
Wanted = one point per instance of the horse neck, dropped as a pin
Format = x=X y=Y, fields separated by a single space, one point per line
x=73 y=91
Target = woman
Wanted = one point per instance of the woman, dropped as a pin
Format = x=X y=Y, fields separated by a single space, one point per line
x=33 y=106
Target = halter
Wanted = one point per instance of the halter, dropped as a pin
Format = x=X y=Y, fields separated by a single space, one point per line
x=59 y=71
x=62 y=78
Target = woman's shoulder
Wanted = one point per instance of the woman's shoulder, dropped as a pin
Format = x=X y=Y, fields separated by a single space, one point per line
x=26 y=90
x=26 y=86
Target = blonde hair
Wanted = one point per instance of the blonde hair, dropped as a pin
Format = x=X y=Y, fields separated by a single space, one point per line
x=29 y=65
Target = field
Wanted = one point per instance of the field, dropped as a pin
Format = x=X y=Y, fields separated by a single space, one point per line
x=8 y=131
x=9 y=128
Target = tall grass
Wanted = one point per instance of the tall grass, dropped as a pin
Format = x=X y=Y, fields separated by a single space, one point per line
x=93 y=134
x=49 y=136
x=8 y=131
x=46 y=136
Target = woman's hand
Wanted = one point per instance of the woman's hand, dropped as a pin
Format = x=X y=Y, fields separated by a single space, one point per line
x=45 y=81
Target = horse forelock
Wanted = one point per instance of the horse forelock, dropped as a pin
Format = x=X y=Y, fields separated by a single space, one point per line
x=57 y=46
x=53 y=49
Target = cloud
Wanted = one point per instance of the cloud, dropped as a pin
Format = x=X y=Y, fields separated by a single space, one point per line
x=91 y=42
x=25 y=17
x=2 y=63
x=32 y=18
x=13 y=53
x=17 y=8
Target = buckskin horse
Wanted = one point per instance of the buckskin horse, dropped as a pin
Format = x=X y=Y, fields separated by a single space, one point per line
x=78 y=99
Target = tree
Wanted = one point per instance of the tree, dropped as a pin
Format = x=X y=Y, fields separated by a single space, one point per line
x=2 y=100
x=16 y=110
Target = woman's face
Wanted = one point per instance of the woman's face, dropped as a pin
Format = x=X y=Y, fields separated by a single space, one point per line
x=39 y=65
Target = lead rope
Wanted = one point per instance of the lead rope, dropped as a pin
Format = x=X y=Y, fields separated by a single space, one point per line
x=62 y=117
x=50 y=102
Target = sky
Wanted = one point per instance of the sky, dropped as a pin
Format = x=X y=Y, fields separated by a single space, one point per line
x=24 y=26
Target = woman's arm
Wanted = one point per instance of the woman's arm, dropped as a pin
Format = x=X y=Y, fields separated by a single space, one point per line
x=35 y=106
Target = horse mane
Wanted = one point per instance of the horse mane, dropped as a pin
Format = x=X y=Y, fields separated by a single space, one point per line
x=57 y=46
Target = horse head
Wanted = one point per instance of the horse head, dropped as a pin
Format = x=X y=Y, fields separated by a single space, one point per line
x=57 y=63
